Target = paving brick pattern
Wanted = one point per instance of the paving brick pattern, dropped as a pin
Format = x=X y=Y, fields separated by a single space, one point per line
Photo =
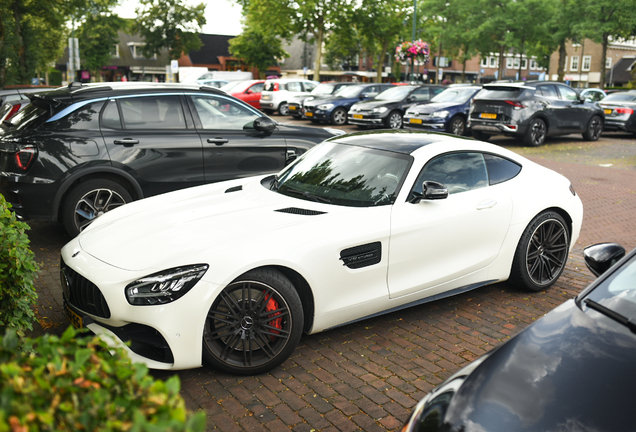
x=368 y=376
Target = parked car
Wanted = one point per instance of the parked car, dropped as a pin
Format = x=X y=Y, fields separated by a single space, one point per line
x=447 y=111
x=277 y=92
x=572 y=370
x=592 y=94
x=82 y=150
x=233 y=273
x=533 y=110
x=387 y=108
x=296 y=103
x=247 y=91
x=620 y=111
x=335 y=109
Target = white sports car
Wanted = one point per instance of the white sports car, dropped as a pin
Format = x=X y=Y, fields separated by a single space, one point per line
x=233 y=273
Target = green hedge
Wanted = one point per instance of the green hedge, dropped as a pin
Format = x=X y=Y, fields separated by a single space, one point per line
x=18 y=271
x=75 y=384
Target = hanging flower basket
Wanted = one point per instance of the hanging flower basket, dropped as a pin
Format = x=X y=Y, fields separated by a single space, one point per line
x=417 y=50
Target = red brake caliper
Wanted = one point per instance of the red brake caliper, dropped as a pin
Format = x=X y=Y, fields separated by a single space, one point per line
x=270 y=306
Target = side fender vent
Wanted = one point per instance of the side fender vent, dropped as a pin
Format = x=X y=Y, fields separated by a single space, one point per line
x=234 y=189
x=299 y=211
x=362 y=256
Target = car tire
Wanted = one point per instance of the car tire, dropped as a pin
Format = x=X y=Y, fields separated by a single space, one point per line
x=393 y=120
x=339 y=117
x=457 y=126
x=254 y=324
x=536 y=133
x=89 y=200
x=283 y=109
x=478 y=135
x=542 y=252
x=594 y=129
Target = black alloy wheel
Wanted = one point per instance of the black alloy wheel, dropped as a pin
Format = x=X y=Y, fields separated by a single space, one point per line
x=536 y=133
x=457 y=126
x=542 y=252
x=89 y=200
x=594 y=129
x=394 y=120
x=339 y=117
x=254 y=324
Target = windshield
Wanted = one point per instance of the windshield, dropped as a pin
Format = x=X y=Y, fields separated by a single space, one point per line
x=395 y=93
x=345 y=175
x=323 y=89
x=230 y=86
x=618 y=292
x=350 y=91
x=620 y=97
x=454 y=95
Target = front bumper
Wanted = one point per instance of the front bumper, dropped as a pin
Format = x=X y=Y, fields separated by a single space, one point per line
x=435 y=123
x=366 y=119
x=316 y=114
x=167 y=336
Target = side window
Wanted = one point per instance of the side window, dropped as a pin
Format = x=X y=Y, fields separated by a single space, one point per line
x=85 y=118
x=110 y=116
x=152 y=112
x=257 y=88
x=459 y=172
x=500 y=169
x=294 y=87
x=548 y=91
x=309 y=86
x=421 y=94
x=437 y=90
x=217 y=112
x=567 y=93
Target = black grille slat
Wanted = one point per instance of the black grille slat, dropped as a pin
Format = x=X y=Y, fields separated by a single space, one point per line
x=362 y=256
x=84 y=295
x=299 y=211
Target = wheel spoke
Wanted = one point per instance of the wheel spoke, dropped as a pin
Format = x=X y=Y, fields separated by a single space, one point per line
x=547 y=252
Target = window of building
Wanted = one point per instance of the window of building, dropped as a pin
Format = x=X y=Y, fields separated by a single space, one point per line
x=524 y=64
x=509 y=63
x=587 y=63
x=484 y=62
x=114 y=51
x=533 y=64
x=493 y=62
x=136 y=50
x=574 y=66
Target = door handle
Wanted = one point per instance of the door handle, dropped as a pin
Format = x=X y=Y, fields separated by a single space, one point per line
x=218 y=140
x=127 y=142
x=486 y=204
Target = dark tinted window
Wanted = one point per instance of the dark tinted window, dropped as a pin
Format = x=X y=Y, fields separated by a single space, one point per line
x=500 y=169
x=110 y=116
x=152 y=112
x=31 y=116
x=459 y=172
x=500 y=93
x=548 y=91
x=85 y=118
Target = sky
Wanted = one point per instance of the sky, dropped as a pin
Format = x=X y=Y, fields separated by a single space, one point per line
x=223 y=16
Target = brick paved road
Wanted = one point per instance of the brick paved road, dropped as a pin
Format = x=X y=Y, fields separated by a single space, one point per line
x=368 y=376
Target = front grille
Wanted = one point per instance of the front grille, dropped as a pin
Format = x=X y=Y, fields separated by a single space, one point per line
x=299 y=211
x=82 y=293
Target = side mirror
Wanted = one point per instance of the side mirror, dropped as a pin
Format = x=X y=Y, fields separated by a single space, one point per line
x=264 y=124
x=431 y=190
x=600 y=257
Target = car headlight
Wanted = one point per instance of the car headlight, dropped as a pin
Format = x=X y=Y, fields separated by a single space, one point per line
x=440 y=114
x=165 y=286
x=379 y=110
x=325 y=107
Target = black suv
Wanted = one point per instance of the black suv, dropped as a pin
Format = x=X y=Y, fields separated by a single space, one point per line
x=533 y=110
x=387 y=108
x=82 y=150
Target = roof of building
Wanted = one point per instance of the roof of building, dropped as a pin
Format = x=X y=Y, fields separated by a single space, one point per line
x=621 y=73
x=214 y=46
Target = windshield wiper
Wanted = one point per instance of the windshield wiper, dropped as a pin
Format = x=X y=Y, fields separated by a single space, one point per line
x=309 y=196
x=627 y=322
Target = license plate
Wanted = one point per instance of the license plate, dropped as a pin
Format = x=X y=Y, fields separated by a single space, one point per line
x=292 y=108
x=358 y=116
x=309 y=114
x=607 y=111
x=266 y=97
x=74 y=318
x=488 y=116
x=416 y=121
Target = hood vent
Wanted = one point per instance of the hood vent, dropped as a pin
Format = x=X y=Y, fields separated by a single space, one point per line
x=299 y=211
x=234 y=189
x=362 y=256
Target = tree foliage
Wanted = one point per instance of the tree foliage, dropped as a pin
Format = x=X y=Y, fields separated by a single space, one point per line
x=97 y=35
x=171 y=25
x=257 y=49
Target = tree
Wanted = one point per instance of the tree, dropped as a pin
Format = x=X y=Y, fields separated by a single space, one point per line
x=171 y=25
x=97 y=35
x=257 y=49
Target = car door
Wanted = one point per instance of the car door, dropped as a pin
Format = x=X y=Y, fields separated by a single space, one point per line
x=420 y=95
x=577 y=114
x=556 y=108
x=253 y=95
x=153 y=138
x=438 y=245
x=232 y=148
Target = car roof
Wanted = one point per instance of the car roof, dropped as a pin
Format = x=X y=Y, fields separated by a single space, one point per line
x=398 y=141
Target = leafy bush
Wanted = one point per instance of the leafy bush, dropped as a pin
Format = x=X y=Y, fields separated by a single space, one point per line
x=18 y=271
x=74 y=384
